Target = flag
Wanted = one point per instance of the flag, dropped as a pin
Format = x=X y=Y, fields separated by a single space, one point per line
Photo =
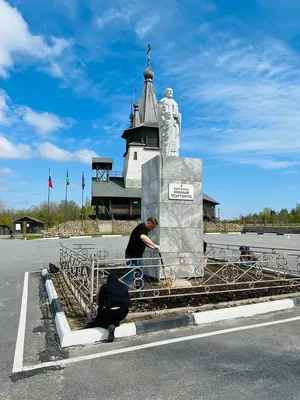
x=67 y=180
x=82 y=181
x=50 y=180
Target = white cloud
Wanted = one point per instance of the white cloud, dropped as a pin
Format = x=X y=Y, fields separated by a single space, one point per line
x=128 y=16
x=269 y=163
x=55 y=56
x=249 y=91
x=9 y=150
x=8 y=172
x=145 y=25
x=85 y=156
x=44 y=122
x=3 y=107
x=16 y=39
x=51 y=152
x=112 y=15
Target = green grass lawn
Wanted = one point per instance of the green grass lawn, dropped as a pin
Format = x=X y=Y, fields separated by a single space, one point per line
x=28 y=237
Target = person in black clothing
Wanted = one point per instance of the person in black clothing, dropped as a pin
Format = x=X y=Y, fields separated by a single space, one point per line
x=204 y=253
x=113 y=304
x=134 y=252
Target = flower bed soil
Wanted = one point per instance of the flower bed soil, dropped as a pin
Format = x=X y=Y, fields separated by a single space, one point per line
x=74 y=313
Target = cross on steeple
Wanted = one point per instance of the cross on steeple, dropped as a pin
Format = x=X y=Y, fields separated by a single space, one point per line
x=135 y=95
x=148 y=53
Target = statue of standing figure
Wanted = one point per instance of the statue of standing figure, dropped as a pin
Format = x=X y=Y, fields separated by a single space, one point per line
x=169 y=124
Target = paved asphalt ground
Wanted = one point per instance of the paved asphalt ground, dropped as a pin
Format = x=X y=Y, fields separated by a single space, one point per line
x=283 y=245
x=230 y=360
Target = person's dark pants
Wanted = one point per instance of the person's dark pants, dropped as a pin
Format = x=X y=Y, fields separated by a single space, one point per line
x=108 y=317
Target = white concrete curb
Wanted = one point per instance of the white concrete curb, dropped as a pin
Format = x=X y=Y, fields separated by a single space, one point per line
x=80 y=237
x=111 y=236
x=62 y=327
x=67 y=337
x=49 y=238
x=242 y=311
x=92 y=335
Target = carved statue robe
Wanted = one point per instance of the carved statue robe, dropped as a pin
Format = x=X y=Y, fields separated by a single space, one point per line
x=169 y=125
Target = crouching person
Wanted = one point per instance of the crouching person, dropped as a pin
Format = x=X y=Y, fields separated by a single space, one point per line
x=247 y=257
x=113 y=304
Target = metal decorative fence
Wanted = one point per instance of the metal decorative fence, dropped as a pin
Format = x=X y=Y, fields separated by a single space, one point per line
x=224 y=269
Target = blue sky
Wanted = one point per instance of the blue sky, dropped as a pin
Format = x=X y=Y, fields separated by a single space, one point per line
x=68 y=70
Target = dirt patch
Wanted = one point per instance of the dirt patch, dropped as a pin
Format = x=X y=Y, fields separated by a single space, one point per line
x=74 y=313
x=245 y=285
x=213 y=298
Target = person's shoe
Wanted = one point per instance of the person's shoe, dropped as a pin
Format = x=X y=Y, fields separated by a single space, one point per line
x=111 y=333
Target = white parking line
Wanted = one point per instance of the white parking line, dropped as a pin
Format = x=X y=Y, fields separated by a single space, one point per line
x=19 y=350
x=67 y=361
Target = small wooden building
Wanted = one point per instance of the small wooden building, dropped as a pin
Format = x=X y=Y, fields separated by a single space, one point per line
x=109 y=195
x=28 y=225
x=209 y=208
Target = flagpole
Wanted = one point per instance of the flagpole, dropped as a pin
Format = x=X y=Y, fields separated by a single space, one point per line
x=48 y=200
x=66 y=199
x=82 y=192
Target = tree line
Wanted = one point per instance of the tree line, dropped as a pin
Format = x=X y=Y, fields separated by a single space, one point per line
x=40 y=212
x=267 y=214
x=74 y=212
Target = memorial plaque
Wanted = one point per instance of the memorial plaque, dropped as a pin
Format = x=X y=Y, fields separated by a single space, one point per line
x=180 y=191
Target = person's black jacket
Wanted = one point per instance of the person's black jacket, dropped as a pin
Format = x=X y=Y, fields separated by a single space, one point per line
x=113 y=293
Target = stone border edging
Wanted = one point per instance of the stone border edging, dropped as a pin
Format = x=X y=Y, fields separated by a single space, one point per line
x=69 y=338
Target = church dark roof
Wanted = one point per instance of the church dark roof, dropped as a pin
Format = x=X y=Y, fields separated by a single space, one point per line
x=115 y=188
x=210 y=199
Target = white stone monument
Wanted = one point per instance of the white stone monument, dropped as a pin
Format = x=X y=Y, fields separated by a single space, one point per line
x=169 y=124
x=172 y=191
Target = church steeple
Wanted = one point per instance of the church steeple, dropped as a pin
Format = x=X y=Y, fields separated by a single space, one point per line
x=131 y=115
x=148 y=102
x=136 y=116
x=142 y=137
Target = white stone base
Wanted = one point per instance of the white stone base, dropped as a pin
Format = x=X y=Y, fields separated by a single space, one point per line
x=180 y=230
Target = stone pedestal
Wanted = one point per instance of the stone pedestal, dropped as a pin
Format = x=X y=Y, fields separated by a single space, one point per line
x=180 y=230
